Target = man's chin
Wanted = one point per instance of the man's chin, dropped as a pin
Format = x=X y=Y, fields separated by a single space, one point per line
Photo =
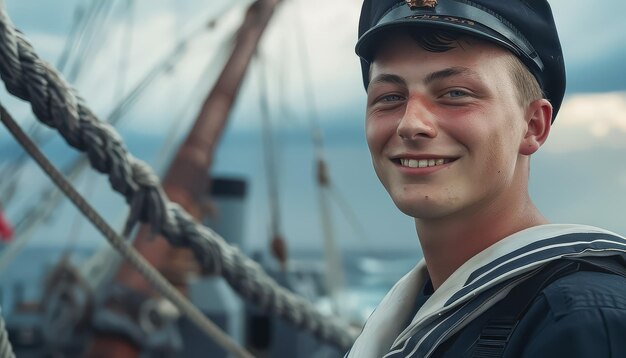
x=425 y=208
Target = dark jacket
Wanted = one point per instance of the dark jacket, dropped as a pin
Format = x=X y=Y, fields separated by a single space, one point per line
x=582 y=314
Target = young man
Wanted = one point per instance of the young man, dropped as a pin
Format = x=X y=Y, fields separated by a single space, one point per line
x=460 y=94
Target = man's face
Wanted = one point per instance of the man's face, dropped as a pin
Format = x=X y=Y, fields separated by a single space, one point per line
x=445 y=129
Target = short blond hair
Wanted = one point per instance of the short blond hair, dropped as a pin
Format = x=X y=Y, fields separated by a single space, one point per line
x=528 y=89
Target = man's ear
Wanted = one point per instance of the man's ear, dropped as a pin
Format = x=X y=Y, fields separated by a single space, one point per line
x=539 y=120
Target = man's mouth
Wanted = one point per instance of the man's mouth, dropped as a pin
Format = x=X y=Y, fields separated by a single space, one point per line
x=421 y=163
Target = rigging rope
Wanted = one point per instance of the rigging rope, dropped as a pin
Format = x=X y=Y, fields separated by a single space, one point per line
x=75 y=228
x=6 y=351
x=349 y=214
x=70 y=40
x=26 y=226
x=335 y=277
x=114 y=116
x=126 y=46
x=10 y=173
x=91 y=35
x=278 y=244
x=35 y=130
x=57 y=105
x=122 y=246
x=194 y=99
x=49 y=198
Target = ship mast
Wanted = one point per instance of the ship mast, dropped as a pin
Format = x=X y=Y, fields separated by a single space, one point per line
x=187 y=178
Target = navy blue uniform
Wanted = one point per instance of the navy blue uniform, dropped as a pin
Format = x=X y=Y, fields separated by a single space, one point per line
x=549 y=291
x=579 y=315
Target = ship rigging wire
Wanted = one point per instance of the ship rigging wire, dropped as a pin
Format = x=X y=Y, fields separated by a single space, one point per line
x=124 y=248
x=119 y=112
x=126 y=47
x=316 y=128
x=124 y=59
x=73 y=50
x=278 y=245
x=335 y=275
x=76 y=226
x=39 y=212
x=86 y=22
x=184 y=113
x=6 y=351
x=89 y=37
x=70 y=40
x=56 y=104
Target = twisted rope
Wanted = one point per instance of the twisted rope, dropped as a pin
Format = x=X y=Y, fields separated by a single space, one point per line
x=57 y=105
x=6 y=351
x=126 y=250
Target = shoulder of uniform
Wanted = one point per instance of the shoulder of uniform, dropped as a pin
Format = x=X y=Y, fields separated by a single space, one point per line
x=585 y=290
x=579 y=315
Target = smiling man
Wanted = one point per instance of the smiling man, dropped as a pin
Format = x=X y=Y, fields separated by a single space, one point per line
x=460 y=94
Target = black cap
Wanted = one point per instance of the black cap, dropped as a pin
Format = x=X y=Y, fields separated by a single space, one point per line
x=525 y=27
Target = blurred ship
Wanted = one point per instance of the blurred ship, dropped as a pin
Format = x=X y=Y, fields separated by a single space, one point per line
x=68 y=302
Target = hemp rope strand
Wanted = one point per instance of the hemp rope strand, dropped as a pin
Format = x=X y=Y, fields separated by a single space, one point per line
x=127 y=251
x=56 y=104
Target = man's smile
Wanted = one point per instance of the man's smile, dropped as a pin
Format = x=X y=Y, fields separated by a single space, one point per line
x=422 y=163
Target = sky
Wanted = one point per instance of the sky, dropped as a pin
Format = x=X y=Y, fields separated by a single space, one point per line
x=307 y=66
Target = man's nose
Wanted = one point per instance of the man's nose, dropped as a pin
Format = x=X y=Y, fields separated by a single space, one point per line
x=418 y=121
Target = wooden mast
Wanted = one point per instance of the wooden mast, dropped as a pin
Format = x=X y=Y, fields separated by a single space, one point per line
x=187 y=178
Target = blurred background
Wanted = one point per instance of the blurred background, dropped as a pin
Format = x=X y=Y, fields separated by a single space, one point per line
x=305 y=74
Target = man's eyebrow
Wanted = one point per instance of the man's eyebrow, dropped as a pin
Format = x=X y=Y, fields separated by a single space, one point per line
x=388 y=78
x=450 y=72
x=431 y=77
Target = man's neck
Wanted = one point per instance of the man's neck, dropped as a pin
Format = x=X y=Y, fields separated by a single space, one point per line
x=448 y=244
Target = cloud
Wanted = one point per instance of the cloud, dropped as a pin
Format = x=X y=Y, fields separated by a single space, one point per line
x=590 y=120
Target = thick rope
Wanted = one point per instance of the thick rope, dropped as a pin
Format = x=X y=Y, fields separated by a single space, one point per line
x=6 y=351
x=57 y=105
x=126 y=250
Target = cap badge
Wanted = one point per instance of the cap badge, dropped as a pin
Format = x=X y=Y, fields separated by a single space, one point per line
x=414 y=4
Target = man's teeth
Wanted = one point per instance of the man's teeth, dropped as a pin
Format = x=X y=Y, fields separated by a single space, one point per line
x=422 y=163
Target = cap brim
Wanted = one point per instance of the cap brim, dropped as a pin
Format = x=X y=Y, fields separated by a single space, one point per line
x=451 y=15
x=367 y=44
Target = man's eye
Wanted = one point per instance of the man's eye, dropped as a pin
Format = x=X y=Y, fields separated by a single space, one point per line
x=455 y=94
x=391 y=98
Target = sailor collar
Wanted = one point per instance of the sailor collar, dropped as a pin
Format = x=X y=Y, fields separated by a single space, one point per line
x=473 y=288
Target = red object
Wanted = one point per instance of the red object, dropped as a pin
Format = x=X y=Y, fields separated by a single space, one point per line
x=6 y=232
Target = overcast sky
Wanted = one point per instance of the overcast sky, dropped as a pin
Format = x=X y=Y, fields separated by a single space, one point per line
x=578 y=177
